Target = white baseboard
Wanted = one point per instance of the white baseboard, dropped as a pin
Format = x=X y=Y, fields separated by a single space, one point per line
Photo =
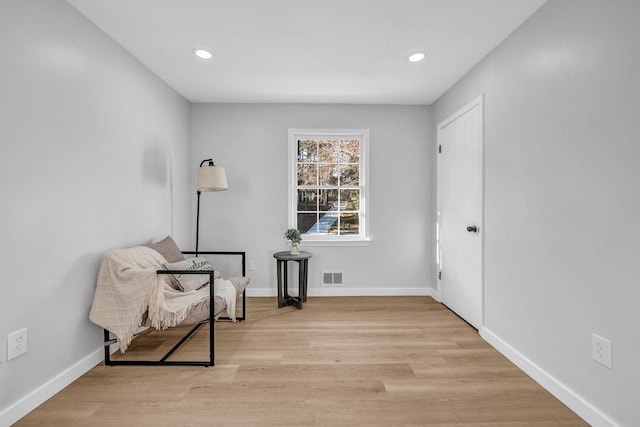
x=586 y=410
x=336 y=291
x=34 y=399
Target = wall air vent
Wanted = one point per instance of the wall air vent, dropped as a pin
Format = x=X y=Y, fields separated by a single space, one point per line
x=332 y=278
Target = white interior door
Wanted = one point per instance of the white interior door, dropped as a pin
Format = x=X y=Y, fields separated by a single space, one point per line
x=460 y=207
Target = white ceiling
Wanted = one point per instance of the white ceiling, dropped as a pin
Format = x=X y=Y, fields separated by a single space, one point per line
x=303 y=51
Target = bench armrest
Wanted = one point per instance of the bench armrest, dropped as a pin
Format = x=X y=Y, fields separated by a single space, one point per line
x=241 y=254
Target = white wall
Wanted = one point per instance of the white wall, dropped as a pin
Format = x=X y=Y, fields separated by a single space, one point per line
x=563 y=196
x=250 y=140
x=92 y=146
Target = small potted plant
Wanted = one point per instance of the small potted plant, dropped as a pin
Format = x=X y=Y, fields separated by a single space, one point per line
x=293 y=235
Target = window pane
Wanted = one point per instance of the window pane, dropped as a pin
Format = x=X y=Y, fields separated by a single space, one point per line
x=349 y=223
x=350 y=175
x=307 y=222
x=328 y=200
x=349 y=200
x=350 y=151
x=327 y=223
x=328 y=174
x=329 y=151
x=307 y=151
x=307 y=200
x=307 y=174
x=334 y=227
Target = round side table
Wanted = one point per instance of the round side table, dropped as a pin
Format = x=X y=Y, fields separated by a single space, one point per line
x=282 y=258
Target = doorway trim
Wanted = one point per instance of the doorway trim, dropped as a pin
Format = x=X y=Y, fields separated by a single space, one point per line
x=477 y=102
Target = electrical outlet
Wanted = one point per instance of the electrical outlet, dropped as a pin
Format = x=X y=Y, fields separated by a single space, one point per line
x=252 y=265
x=16 y=343
x=601 y=350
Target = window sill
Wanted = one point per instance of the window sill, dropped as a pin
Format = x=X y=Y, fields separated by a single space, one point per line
x=311 y=243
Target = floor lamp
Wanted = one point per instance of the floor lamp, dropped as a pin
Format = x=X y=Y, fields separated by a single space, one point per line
x=210 y=178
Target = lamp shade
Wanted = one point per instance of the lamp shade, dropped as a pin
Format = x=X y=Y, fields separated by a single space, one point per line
x=212 y=178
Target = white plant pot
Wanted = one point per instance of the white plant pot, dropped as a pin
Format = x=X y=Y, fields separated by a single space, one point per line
x=295 y=249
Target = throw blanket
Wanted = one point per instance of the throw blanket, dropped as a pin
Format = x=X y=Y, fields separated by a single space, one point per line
x=226 y=290
x=128 y=286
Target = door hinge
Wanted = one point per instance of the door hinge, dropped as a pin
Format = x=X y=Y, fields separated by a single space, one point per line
x=439 y=148
x=439 y=275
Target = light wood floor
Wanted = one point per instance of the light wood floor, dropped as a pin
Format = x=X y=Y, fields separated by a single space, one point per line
x=340 y=361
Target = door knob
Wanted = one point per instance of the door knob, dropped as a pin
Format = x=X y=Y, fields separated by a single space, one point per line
x=472 y=229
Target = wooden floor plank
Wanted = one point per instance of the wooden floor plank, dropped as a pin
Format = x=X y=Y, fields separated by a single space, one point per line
x=354 y=361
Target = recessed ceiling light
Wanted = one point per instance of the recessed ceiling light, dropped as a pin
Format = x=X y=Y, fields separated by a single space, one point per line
x=416 y=57
x=202 y=53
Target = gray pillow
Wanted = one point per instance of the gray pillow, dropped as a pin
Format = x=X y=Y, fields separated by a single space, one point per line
x=189 y=282
x=168 y=249
x=240 y=283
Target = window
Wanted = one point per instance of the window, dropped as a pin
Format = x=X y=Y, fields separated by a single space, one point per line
x=328 y=184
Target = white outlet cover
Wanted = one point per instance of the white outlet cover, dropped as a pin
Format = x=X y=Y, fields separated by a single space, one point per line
x=16 y=343
x=601 y=350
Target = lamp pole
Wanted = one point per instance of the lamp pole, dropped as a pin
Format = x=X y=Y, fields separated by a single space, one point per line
x=198 y=222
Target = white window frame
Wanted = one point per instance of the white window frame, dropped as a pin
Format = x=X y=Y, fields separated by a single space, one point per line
x=362 y=239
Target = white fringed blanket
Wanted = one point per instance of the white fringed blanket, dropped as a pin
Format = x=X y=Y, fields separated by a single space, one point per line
x=225 y=290
x=128 y=286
